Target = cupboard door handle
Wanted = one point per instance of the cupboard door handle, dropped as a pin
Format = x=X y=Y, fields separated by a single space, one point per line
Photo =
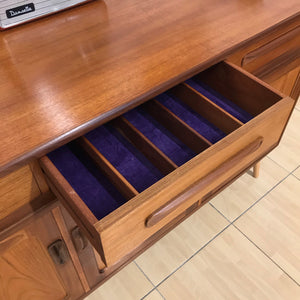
x=173 y=204
x=79 y=240
x=58 y=252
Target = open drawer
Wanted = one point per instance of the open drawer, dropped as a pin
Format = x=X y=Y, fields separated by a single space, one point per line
x=127 y=179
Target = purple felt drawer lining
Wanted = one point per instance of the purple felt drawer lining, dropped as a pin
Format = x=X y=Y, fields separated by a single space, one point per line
x=95 y=189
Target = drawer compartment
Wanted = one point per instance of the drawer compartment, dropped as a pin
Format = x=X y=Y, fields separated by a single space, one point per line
x=127 y=179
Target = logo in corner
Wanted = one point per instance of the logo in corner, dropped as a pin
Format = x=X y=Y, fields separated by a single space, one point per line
x=20 y=10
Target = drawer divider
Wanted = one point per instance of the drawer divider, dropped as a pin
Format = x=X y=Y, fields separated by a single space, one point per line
x=118 y=180
x=242 y=88
x=205 y=107
x=142 y=143
x=179 y=128
x=203 y=182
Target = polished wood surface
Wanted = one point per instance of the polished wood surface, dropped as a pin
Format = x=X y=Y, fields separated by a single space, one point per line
x=124 y=229
x=59 y=219
x=24 y=248
x=274 y=57
x=27 y=271
x=201 y=184
x=17 y=190
x=39 y=176
x=289 y=83
x=256 y=168
x=240 y=87
x=86 y=254
x=65 y=74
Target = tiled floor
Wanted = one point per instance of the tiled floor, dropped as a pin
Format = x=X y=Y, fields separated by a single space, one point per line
x=244 y=244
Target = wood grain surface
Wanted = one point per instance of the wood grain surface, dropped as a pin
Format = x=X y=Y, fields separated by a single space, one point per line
x=26 y=268
x=17 y=190
x=124 y=229
x=27 y=271
x=285 y=75
x=63 y=75
x=59 y=219
x=173 y=204
x=202 y=105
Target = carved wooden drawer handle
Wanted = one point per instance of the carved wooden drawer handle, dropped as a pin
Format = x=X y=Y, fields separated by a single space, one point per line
x=58 y=252
x=173 y=204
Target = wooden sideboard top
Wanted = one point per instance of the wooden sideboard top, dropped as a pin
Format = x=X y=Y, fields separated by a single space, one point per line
x=64 y=75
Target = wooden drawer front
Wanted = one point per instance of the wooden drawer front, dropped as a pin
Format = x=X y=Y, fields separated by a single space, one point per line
x=17 y=190
x=276 y=57
x=127 y=179
x=272 y=57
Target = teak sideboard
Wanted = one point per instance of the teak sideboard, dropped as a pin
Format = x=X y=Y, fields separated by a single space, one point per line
x=119 y=119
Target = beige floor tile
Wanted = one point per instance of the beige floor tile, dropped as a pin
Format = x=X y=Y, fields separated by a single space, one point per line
x=287 y=154
x=181 y=243
x=230 y=267
x=274 y=225
x=297 y=174
x=128 y=284
x=154 y=296
x=235 y=199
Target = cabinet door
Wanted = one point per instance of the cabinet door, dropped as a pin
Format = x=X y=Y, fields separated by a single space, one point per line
x=27 y=271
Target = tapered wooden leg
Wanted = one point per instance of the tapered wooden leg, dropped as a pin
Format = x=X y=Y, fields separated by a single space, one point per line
x=256 y=170
x=100 y=264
